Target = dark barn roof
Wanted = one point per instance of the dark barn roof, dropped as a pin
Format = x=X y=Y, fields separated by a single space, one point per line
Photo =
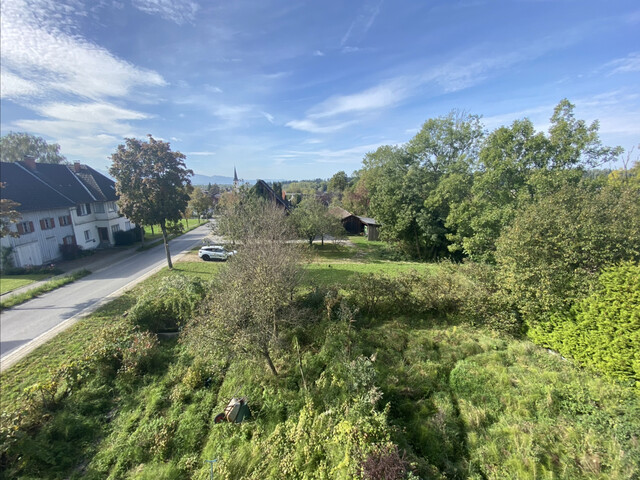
x=53 y=185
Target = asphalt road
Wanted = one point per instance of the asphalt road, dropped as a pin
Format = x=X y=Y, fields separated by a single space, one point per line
x=36 y=319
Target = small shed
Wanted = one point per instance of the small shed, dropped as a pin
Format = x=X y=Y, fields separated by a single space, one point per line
x=370 y=227
x=356 y=225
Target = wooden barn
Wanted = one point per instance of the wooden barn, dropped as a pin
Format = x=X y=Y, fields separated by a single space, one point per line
x=357 y=225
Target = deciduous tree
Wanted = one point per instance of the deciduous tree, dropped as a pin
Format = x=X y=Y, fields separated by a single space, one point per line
x=251 y=303
x=15 y=146
x=8 y=215
x=153 y=183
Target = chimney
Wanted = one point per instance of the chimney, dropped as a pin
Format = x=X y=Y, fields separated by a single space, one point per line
x=29 y=162
x=76 y=167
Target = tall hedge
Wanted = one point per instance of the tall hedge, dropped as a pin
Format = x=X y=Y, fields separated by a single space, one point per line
x=603 y=330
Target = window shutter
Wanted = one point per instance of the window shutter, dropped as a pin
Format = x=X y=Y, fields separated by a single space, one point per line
x=78 y=210
x=20 y=229
x=42 y=225
x=53 y=223
x=31 y=229
x=88 y=208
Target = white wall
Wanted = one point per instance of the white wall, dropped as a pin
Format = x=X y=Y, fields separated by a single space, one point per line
x=40 y=246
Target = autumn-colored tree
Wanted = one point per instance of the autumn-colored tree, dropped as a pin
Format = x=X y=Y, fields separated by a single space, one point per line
x=8 y=215
x=153 y=183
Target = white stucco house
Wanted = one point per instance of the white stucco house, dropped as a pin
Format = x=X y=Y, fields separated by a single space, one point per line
x=59 y=204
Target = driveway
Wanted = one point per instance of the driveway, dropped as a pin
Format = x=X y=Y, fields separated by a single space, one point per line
x=26 y=326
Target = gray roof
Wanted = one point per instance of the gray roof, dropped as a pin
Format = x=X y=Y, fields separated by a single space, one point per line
x=54 y=185
x=367 y=220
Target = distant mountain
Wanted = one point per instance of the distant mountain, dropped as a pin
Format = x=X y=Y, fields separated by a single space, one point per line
x=198 y=179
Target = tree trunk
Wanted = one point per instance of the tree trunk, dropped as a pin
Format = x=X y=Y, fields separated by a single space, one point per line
x=152 y=230
x=163 y=227
x=322 y=241
x=142 y=236
x=311 y=240
x=270 y=363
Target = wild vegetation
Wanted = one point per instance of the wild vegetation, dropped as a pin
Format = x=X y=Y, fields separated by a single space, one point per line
x=357 y=360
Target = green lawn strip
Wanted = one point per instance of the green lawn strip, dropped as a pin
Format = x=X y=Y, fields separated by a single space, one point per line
x=9 y=283
x=47 y=287
x=151 y=241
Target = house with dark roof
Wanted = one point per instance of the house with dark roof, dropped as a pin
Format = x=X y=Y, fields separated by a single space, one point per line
x=264 y=190
x=60 y=205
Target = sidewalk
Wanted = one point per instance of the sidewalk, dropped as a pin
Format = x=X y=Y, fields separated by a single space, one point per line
x=99 y=260
x=93 y=263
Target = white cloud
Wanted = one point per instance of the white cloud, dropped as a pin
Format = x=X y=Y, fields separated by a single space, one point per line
x=318 y=53
x=178 y=11
x=352 y=155
x=201 y=154
x=362 y=23
x=630 y=63
x=380 y=96
x=38 y=49
x=307 y=125
x=270 y=118
x=13 y=86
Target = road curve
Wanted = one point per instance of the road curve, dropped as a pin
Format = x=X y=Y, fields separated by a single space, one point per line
x=26 y=326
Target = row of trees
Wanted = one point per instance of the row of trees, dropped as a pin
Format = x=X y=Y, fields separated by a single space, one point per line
x=453 y=188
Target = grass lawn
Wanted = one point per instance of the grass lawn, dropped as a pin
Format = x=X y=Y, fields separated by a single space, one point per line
x=157 y=233
x=9 y=283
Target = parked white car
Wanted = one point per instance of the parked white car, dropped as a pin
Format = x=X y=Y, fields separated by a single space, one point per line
x=215 y=252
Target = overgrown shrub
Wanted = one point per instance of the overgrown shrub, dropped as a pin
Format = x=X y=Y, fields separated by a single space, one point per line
x=168 y=305
x=121 y=348
x=603 y=330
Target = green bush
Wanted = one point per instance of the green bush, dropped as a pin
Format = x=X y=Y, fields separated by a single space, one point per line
x=169 y=305
x=603 y=330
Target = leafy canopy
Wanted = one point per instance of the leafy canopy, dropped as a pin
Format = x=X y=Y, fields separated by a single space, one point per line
x=15 y=146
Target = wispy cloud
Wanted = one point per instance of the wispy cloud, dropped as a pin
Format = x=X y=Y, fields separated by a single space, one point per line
x=380 y=96
x=351 y=155
x=362 y=23
x=178 y=11
x=41 y=59
x=270 y=118
x=201 y=154
x=310 y=126
x=630 y=63
x=318 y=53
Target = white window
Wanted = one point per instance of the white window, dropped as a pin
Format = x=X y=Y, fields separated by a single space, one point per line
x=87 y=235
x=127 y=225
x=112 y=207
x=99 y=207
x=65 y=220
x=115 y=228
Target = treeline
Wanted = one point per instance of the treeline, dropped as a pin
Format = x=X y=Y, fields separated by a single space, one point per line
x=531 y=205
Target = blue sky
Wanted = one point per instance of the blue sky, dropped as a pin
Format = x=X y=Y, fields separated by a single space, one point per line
x=295 y=90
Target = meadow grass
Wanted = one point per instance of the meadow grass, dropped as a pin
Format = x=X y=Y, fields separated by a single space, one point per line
x=9 y=283
x=460 y=401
